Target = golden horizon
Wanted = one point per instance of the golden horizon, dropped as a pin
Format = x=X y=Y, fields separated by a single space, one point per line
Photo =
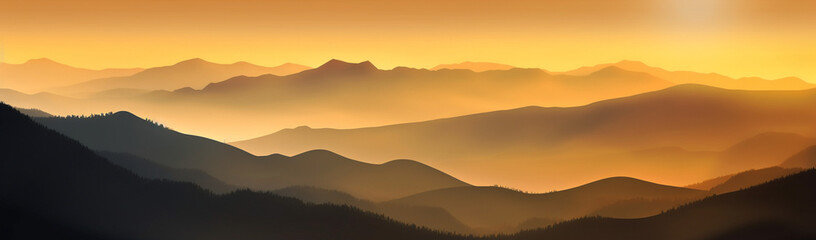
x=733 y=38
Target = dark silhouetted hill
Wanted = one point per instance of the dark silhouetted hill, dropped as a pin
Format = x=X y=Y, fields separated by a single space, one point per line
x=148 y=169
x=124 y=132
x=33 y=112
x=430 y=217
x=752 y=178
x=49 y=182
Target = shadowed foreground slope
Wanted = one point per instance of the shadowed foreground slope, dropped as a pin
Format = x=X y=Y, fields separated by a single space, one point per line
x=148 y=169
x=50 y=182
x=126 y=133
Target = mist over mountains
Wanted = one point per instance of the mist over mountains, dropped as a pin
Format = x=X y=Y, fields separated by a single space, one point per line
x=598 y=148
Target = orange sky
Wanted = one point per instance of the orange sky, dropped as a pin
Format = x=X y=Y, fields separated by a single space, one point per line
x=770 y=39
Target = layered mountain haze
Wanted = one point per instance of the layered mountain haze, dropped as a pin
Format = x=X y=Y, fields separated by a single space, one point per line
x=711 y=79
x=356 y=95
x=124 y=132
x=338 y=94
x=755 y=152
x=804 y=159
x=545 y=148
x=39 y=75
x=194 y=73
x=409 y=120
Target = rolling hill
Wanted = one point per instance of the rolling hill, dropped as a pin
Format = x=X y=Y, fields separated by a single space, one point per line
x=752 y=178
x=764 y=150
x=147 y=169
x=429 y=217
x=803 y=159
x=124 y=132
x=425 y=216
x=494 y=209
x=560 y=147
x=33 y=112
x=780 y=209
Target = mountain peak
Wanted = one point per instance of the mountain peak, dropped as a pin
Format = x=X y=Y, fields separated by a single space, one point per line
x=192 y=62
x=320 y=155
x=630 y=63
x=337 y=65
x=124 y=114
x=43 y=61
x=610 y=71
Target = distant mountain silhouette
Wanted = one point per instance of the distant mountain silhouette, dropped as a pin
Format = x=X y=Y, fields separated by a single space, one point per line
x=752 y=178
x=147 y=169
x=38 y=75
x=430 y=217
x=560 y=147
x=710 y=79
x=710 y=183
x=498 y=209
x=126 y=133
x=764 y=150
x=804 y=159
x=195 y=73
x=358 y=94
x=473 y=66
x=58 y=188
x=33 y=112
x=54 y=104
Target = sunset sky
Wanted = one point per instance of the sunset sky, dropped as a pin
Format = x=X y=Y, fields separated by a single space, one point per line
x=769 y=39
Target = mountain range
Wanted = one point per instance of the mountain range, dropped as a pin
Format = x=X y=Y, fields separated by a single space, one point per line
x=345 y=95
x=663 y=135
x=710 y=79
x=193 y=73
x=38 y=75
x=473 y=66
